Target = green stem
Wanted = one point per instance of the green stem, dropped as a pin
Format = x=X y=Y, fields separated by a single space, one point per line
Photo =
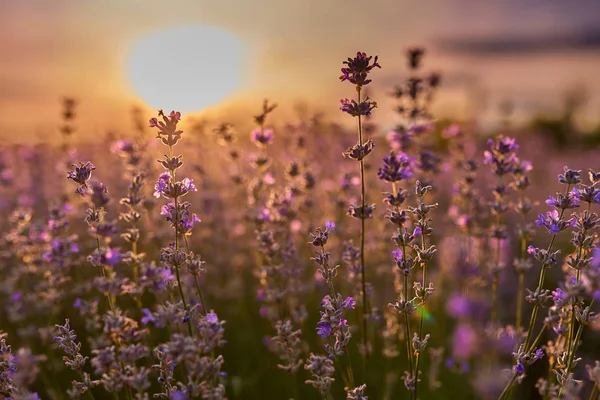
x=508 y=386
x=520 y=293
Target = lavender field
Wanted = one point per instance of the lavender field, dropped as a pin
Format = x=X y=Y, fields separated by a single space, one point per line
x=303 y=259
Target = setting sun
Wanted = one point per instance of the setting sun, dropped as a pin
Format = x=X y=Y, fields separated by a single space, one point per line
x=187 y=69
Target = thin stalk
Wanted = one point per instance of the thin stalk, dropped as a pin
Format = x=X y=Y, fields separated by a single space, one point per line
x=572 y=350
x=495 y=278
x=197 y=284
x=520 y=293
x=350 y=380
x=508 y=386
x=407 y=325
x=185 y=306
x=362 y=235
x=536 y=307
x=424 y=266
x=109 y=298
x=536 y=340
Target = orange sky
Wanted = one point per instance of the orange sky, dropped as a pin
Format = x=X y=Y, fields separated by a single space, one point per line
x=52 y=48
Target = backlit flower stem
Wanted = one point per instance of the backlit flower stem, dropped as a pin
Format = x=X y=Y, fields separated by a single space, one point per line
x=521 y=288
x=541 y=280
x=109 y=299
x=536 y=307
x=197 y=284
x=177 y=275
x=362 y=235
x=418 y=353
x=406 y=317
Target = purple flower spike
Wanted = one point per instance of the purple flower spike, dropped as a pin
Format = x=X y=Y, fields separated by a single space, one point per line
x=357 y=69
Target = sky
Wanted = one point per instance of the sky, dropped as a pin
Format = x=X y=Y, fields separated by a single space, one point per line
x=294 y=49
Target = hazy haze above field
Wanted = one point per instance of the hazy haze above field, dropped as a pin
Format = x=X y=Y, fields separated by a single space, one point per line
x=527 y=51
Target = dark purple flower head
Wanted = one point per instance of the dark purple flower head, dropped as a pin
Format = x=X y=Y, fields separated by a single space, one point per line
x=503 y=144
x=570 y=177
x=323 y=329
x=415 y=55
x=161 y=184
x=111 y=257
x=181 y=217
x=356 y=109
x=539 y=353
x=500 y=157
x=519 y=368
x=82 y=173
x=99 y=194
x=396 y=167
x=357 y=69
x=261 y=137
x=349 y=303
x=559 y=297
x=358 y=151
x=571 y=200
x=553 y=223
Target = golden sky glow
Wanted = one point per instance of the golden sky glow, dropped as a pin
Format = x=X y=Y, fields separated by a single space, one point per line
x=79 y=48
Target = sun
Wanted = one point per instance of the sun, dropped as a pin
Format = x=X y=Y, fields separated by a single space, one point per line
x=186 y=69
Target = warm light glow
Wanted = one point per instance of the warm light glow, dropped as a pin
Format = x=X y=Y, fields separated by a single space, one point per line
x=186 y=69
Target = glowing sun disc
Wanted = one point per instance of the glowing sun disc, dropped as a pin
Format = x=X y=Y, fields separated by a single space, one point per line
x=186 y=69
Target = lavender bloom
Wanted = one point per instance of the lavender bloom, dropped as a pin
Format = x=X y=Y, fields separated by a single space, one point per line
x=355 y=109
x=358 y=152
x=334 y=324
x=161 y=185
x=500 y=157
x=164 y=187
x=396 y=167
x=167 y=128
x=262 y=138
x=211 y=332
x=321 y=369
x=81 y=175
x=148 y=317
x=571 y=200
x=357 y=393
x=570 y=177
x=553 y=223
x=99 y=194
x=358 y=68
x=181 y=218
